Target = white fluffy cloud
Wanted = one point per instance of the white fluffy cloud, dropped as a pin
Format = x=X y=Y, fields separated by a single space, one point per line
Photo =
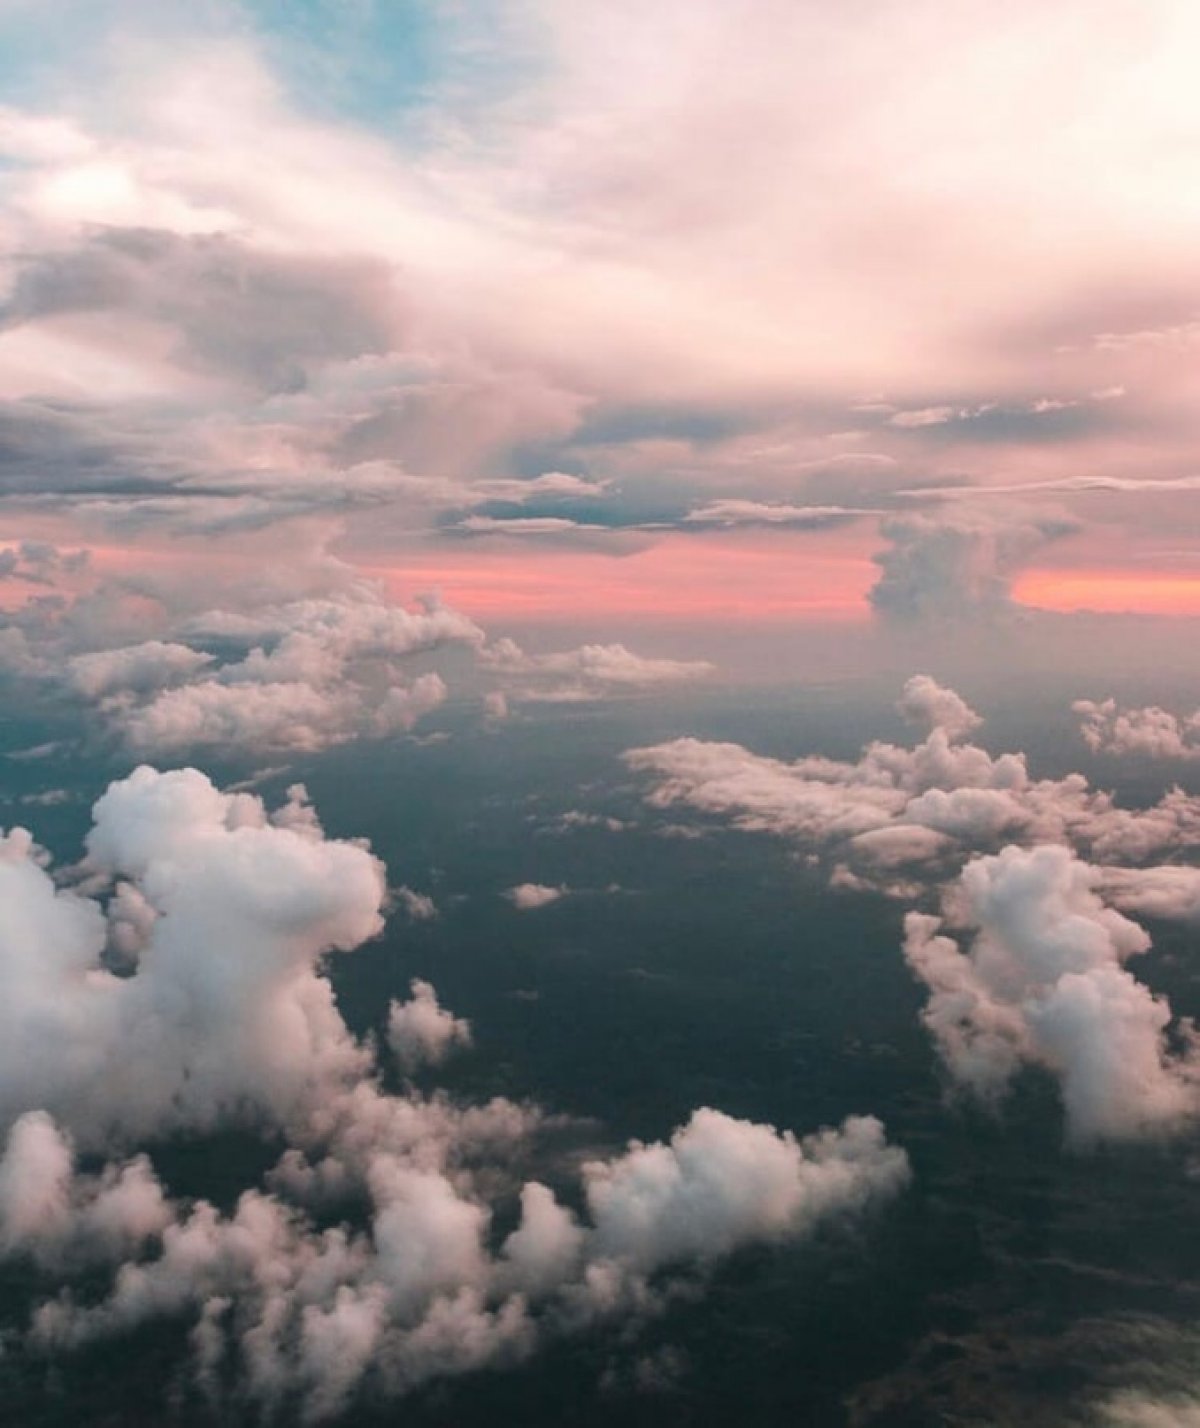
x=225 y=1014
x=1027 y=966
x=221 y=914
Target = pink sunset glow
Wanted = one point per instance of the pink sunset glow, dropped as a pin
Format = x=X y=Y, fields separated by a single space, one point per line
x=679 y=578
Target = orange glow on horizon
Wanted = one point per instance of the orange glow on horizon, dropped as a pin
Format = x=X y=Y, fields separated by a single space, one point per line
x=721 y=579
x=1109 y=592
x=740 y=577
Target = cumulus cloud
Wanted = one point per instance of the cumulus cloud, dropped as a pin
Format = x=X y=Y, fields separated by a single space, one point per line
x=138 y=669
x=297 y=658
x=225 y=1015
x=931 y=706
x=291 y=674
x=422 y=1033
x=722 y=1182
x=221 y=1016
x=527 y=896
x=1150 y=731
x=1027 y=966
x=1170 y=891
x=925 y=808
x=956 y=566
x=63 y=1219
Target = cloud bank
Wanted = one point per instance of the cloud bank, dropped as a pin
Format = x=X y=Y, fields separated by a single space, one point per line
x=176 y=988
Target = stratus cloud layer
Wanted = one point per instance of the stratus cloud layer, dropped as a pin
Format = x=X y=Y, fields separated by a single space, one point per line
x=219 y=915
x=223 y=312
x=1025 y=961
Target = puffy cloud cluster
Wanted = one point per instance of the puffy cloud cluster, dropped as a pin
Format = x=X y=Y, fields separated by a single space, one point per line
x=907 y=810
x=1151 y=731
x=298 y=656
x=1026 y=960
x=177 y=988
x=297 y=1313
x=331 y=674
x=1027 y=966
x=296 y=659
x=63 y=1219
x=134 y=669
x=224 y=1015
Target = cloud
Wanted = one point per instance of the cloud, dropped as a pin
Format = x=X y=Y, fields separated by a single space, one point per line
x=290 y=675
x=39 y=562
x=1133 y=1409
x=924 y=809
x=1148 y=731
x=303 y=653
x=65 y=1220
x=1027 y=966
x=524 y=526
x=589 y=672
x=420 y=907
x=234 y=310
x=927 y=703
x=1170 y=892
x=279 y=715
x=527 y=896
x=368 y=1260
x=225 y=1015
x=729 y=511
x=723 y=1182
x=422 y=1033
x=957 y=566
x=1064 y=485
x=136 y=668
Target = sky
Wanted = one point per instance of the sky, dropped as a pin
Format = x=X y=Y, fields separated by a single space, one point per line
x=439 y=382
x=784 y=291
